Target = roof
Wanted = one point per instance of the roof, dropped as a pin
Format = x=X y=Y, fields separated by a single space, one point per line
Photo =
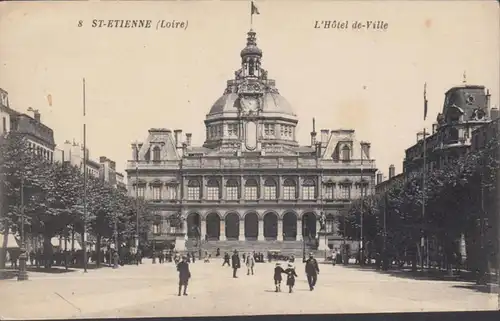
x=271 y=103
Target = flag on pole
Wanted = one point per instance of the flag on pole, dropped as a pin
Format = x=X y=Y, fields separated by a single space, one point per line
x=255 y=10
x=425 y=101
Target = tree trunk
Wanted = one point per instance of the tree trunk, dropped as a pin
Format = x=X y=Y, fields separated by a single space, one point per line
x=98 y=250
x=47 y=251
x=3 y=250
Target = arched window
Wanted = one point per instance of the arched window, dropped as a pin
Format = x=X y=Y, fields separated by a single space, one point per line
x=193 y=189
x=289 y=189
x=270 y=189
x=251 y=188
x=232 y=190
x=156 y=154
x=308 y=189
x=330 y=223
x=346 y=153
x=213 y=192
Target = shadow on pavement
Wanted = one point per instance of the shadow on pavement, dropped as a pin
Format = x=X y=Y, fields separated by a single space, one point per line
x=428 y=275
x=479 y=288
x=8 y=274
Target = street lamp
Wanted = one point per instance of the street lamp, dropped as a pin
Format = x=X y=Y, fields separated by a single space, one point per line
x=22 y=274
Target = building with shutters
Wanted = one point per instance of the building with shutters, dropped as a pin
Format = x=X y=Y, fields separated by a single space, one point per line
x=251 y=182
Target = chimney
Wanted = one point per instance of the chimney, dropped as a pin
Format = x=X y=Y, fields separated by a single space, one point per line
x=324 y=137
x=188 y=139
x=392 y=171
x=313 y=134
x=380 y=178
x=365 y=149
x=488 y=99
x=177 y=136
x=103 y=159
x=37 y=115
x=494 y=113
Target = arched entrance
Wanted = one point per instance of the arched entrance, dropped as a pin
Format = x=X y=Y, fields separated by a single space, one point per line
x=290 y=226
x=251 y=226
x=213 y=226
x=232 y=221
x=270 y=226
x=193 y=226
x=309 y=225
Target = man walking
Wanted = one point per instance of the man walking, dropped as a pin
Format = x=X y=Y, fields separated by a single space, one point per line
x=236 y=264
x=226 y=259
x=312 y=271
x=184 y=275
x=250 y=263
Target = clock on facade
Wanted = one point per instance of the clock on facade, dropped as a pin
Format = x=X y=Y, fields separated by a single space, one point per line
x=249 y=105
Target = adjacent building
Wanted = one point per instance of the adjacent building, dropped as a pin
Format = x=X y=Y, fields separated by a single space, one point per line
x=39 y=137
x=251 y=181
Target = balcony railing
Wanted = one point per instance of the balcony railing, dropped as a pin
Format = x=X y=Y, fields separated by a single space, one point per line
x=251 y=163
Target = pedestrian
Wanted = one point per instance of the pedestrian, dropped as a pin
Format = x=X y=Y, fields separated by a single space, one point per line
x=207 y=258
x=312 y=271
x=226 y=259
x=184 y=275
x=290 y=277
x=278 y=270
x=235 y=262
x=250 y=263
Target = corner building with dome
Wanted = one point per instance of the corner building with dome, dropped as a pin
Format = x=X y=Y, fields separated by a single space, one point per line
x=251 y=186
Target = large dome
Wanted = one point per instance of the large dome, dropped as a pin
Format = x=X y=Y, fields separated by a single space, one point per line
x=272 y=103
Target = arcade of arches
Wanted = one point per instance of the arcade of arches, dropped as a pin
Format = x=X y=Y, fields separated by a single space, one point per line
x=270 y=227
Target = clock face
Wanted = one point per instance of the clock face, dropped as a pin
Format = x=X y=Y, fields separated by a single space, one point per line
x=249 y=105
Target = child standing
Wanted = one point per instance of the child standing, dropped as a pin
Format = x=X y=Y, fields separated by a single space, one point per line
x=278 y=270
x=290 y=278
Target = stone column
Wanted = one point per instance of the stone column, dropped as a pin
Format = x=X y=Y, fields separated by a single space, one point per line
x=222 y=230
x=242 y=188
x=203 y=228
x=242 y=231
x=222 y=194
x=299 y=229
x=318 y=226
x=261 y=187
x=280 y=230
x=280 y=188
x=298 y=193
x=260 y=236
x=202 y=187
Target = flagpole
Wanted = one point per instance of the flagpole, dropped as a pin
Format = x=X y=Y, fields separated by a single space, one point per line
x=424 y=240
x=84 y=240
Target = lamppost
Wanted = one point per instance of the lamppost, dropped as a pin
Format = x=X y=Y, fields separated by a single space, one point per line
x=361 y=245
x=344 y=245
x=22 y=274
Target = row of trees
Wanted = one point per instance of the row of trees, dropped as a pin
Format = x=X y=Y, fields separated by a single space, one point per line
x=461 y=200
x=53 y=198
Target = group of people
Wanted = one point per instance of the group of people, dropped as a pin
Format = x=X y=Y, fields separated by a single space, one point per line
x=311 y=271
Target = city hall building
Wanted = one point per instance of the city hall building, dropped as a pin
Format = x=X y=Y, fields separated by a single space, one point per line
x=251 y=183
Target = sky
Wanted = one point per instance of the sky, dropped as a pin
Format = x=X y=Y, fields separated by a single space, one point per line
x=136 y=79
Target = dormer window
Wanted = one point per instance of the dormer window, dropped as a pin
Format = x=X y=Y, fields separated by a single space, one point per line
x=346 y=153
x=156 y=154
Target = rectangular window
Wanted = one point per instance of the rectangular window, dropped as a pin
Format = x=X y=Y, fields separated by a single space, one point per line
x=156 y=228
x=289 y=192
x=251 y=192
x=156 y=193
x=193 y=193
x=232 y=130
x=140 y=191
x=269 y=192
x=213 y=193
x=308 y=192
x=269 y=130
x=4 y=124
x=171 y=192
x=329 y=192
x=232 y=193
x=345 y=192
x=364 y=190
x=329 y=226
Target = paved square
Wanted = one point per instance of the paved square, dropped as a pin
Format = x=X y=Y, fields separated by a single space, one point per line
x=151 y=290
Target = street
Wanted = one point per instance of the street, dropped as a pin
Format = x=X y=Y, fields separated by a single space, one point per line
x=151 y=290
